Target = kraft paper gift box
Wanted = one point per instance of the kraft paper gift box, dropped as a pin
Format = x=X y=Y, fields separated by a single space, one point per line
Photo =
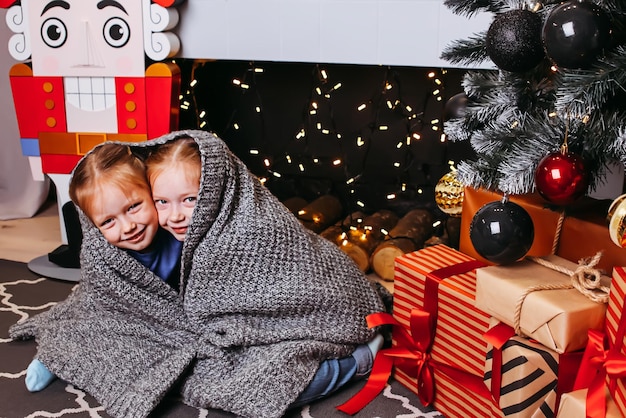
x=573 y=405
x=584 y=230
x=525 y=378
x=558 y=319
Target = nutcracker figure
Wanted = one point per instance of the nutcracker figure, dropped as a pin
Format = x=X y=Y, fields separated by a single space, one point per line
x=95 y=73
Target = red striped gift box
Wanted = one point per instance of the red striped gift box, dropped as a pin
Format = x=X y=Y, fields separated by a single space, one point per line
x=460 y=326
x=614 y=314
x=452 y=399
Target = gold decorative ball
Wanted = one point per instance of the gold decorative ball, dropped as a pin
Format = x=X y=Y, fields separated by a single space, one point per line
x=617 y=221
x=449 y=193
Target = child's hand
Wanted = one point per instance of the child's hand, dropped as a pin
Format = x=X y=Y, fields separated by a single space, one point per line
x=38 y=376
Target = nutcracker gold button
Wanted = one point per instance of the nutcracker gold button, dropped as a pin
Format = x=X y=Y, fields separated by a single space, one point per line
x=51 y=122
x=48 y=87
x=131 y=123
x=129 y=88
x=49 y=104
x=131 y=106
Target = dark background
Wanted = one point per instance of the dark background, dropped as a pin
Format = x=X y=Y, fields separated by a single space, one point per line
x=276 y=105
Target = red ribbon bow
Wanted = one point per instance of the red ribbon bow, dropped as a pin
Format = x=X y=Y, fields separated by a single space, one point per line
x=412 y=349
x=600 y=361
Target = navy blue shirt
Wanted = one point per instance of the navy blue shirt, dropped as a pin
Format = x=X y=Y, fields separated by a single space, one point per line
x=164 y=257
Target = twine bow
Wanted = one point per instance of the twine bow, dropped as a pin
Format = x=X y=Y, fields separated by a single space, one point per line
x=586 y=279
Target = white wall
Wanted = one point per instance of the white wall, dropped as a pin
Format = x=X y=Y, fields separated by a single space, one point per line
x=386 y=32
x=20 y=195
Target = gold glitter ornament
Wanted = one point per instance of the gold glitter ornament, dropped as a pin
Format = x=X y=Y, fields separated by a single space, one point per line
x=449 y=193
x=617 y=221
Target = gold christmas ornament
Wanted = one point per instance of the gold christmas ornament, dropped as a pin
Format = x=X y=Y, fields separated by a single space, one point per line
x=449 y=193
x=617 y=221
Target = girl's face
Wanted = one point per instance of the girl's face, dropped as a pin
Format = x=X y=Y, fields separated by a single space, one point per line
x=126 y=218
x=175 y=192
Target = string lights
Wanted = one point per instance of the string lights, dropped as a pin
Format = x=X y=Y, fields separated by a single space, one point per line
x=387 y=153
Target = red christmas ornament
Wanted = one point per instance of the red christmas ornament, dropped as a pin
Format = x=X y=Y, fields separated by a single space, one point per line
x=562 y=178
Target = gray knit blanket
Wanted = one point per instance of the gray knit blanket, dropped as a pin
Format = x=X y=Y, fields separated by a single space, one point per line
x=262 y=302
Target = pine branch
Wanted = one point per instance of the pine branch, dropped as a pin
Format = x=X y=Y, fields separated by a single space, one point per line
x=585 y=91
x=469 y=51
x=619 y=147
x=471 y=7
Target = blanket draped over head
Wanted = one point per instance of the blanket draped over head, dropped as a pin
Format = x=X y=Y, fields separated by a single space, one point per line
x=262 y=302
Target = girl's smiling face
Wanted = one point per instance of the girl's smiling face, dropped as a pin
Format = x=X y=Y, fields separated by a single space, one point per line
x=126 y=218
x=175 y=192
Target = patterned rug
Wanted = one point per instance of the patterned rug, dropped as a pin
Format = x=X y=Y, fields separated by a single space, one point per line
x=23 y=293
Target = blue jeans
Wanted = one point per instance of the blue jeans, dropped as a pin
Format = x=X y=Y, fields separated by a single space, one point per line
x=335 y=373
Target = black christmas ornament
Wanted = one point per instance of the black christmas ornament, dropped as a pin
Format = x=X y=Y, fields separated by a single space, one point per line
x=502 y=232
x=514 y=41
x=455 y=106
x=562 y=178
x=575 y=33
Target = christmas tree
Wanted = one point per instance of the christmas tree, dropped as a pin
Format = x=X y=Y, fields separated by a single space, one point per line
x=556 y=102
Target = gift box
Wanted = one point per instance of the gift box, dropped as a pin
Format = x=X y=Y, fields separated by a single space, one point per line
x=453 y=392
x=573 y=405
x=442 y=281
x=525 y=378
x=558 y=319
x=453 y=399
x=584 y=230
x=616 y=334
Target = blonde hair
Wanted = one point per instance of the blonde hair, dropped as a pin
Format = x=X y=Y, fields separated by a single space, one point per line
x=182 y=151
x=107 y=163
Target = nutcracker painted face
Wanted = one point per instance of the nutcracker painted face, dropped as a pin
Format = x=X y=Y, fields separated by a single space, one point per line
x=86 y=37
